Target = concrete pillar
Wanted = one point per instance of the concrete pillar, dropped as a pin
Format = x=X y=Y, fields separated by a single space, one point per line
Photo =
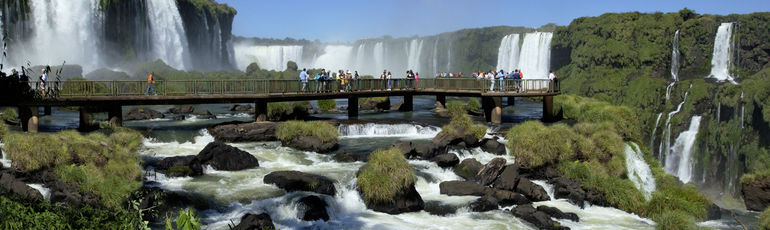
x=47 y=110
x=85 y=119
x=548 y=115
x=260 y=110
x=352 y=107
x=408 y=105
x=115 y=115
x=511 y=101
x=441 y=99
x=28 y=119
x=493 y=109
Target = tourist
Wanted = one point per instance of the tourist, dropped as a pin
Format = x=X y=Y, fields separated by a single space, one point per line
x=516 y=80
x=555 y=81
x=43 y=79
x=317 y=78
x=355 y=79
x=150 y=81
x=501 y=76
x=491 y=78
x=382 y=78
x=303 y=79
x=15 y=75
x=409 y=78
x=416 y=79
x=387 y=78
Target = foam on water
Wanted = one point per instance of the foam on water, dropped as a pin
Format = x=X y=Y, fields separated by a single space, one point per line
x=46 y=192
x=597 y=217
x=480 y=155
x=4 y=160
x=387 y=130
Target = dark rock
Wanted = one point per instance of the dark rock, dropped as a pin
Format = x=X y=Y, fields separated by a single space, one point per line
x=299 y=181
x=462 y=188
x=397 y=106
x=404 y=201
x=531 y=190
x=490 y=171
x=429 y=150
x=446 y=160
x=185 y=109
x=406 y=148
x=440 y=110
x=596 y=197
x=493 y=146
x=370 y=104
x=312 y=208
x=508 y=178
x=9 y=184
x=558 y=214
x=179 y=117
x=190 y=161
x=142 y=114
x=261 y=221
x=204 y=114
x=468 y=168
x=224 y=157
x=240 y=107
x=756 y=194
x=506 y=197
x=714 y=212
x=546 y=172
x=447 y=139
x=566 y=188
x=244 y=132
x=311 y=143
x=345 y=156
x=484 y=203
x=539 y=219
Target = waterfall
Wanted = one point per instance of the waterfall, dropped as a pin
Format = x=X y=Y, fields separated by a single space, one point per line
x=665 y=144
x=678 y=162
x=435 y=57
x=386 y=130
x=655 y=129
x=742 y=109
x=720 y=60
x=379 y=56
x=168 y=36
x=413 y=55
x=361 y=57
x=508 y=53
x=268 y=57
x=535 y=58
x=449 y=57
x=63 y=30
x=335 y=57
x=675 y=59
x=639 y=171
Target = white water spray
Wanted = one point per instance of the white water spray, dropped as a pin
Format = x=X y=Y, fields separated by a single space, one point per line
x=387 y=130
x=639 y=171
x=508 y=53
x=535 y=58
x=678 y=162
x=720 y=60
x=268 y=57
x=414 y=53
x=169 y=41
x=64 y=30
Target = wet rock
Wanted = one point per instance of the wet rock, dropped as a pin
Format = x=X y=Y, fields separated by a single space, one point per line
x=483 y=204
x=459 y=138
x=184 y=109
x=714 y=212
x=571 y=190
x=558 y=214
x=462 y=188
x=468 y=168
x=345 y=156
x=397 y=106
x=371 y=104
x=224 y=157
x=142 y=114
x=756 y=194
x=241 y=108
x=311 y=143
x=9 y=184
x=429 y=150
x=407 y=200
x=204 y=114
x=299 y=181
x=508 y=178
x=175 y=166
x=407 y=148
x=490 y=171
x=446 y=160
x=312 y=208
x=505 y=197
x=596 y=197
x=244 y=132
x=531 y=190
x=255 y=222
x=493 y=146
x=179 y=117
x=440 y=110
x=537 y=218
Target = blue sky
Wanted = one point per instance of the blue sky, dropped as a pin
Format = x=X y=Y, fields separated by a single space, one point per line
x=348 y=20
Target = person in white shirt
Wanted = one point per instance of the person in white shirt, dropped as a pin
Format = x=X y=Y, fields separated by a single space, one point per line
x=491 y=77
x=554 y=79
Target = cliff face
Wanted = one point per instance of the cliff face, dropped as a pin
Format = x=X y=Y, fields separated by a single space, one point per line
x=208 y=27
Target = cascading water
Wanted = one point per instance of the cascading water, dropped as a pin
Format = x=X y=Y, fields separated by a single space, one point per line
x=435 y=57
x=639 y=171
x=720 y=60
x=665 y=144
x=379 y=56
x=268 y=57
x=678 y=162
x=335 y=57
x=385 y=130
x=63 y=31
x=675 y=58
x=654 y=130
x=414 y=54
x=508 y=53
x=169 y=41
x=535 y=58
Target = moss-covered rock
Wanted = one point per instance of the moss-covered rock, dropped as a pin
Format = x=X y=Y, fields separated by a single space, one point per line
x=386 y=183
x=309 y=136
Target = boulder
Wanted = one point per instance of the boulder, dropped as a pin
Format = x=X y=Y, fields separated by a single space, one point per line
x=507 y=179
x=531 y=190
x=714 y=212
x=312 y=208
x=184 y=109
x=505 y=197
x=224 y=157
x=204 y=114
x=397 y=106
x=490 y=171
x=484 y=203
x=407 y=148
x=440 y=110
x=462 y=188
x=178 y=117
x=371 y=104
x=142 y=114
x=537 y=218
x=571 y=190
x=9 y=184
x=447 y=139
x=260 y=221
x=558 y=214
x=175 y=166
x=493 y=146
x=596 y=197
x=468 y=168
x=429 y=150
x=240 y=107
x=299 y=181
x=311 y=143
x=408 y=200
x=345 y=156
x=756 y=194
x=244 y=132
x=446 y=160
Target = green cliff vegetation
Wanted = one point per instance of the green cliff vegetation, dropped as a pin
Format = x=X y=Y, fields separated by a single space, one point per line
x=289 y=130
x=327 y=104
x=764 y=219
x=460 y=123
x=386 y=173
x=277 y=111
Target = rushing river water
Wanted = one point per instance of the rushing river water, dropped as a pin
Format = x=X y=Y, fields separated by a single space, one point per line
x=230 y=195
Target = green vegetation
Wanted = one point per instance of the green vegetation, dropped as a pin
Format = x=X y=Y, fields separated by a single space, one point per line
x=582 y=109
x=326 y=105
x=9 y=114
x=40 y=214
x=461 y=123
x=187 y=220
x=676 y=220
x=277 y=111
x=289 y=130
x=751 y=177
x=620 y=193
x=764 y=219
x=386 y=173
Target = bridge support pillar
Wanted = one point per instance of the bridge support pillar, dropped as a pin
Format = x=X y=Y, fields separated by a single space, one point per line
x=493 y=109
x=115 y=115
x=511 y=101
x=441 y=99
x=28 y=117
x=548 y=115
x=47 y=110
x=85 y=119
x=352 y=107
x=408 y=105
x=260 y=110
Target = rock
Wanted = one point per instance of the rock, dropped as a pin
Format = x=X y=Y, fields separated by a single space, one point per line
x=596 y=197
x=204 y=114
x=311 y=143
x=240 y=107
x=507 y=179
x=546 y=172
x=540 y=219
x=558 y=214
x=440 y=110
x=447 y=139
x=446 y=160
x=468 y=168
x=255 y=222
x=756 y=194
x=9 y=184
x=506 y=197
x=299 y=181
x=142 y=114
x=490 y=171
x=224 y=157
x=566 y=188
x=178 y=117
x=371 y=104
x=493 y=146
x=531 y=190
x=244 y=132
x=397 y=106
x=462 y=188
x=345 y=156
x=408 y=200
x=484 y=203
x=312 y=208
x=178 y=163
x=429 y=150
x=184 y=109
x=714 y=212
x=406 y=148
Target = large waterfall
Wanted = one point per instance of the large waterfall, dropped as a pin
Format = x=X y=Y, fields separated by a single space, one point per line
x=508 y=53
x=63 y=30
x=169 y=41
x=533 y=58
x=268 y=57
x=675 y=58
x=639 y=171
x=678 y=162
x=665 y=143
x=413 y=55
x=335 y=57
x=720 y=60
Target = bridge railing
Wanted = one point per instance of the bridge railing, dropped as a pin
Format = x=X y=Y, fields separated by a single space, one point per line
x=223 y=87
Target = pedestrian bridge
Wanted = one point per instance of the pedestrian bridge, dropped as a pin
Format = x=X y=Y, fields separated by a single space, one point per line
x=110 y=96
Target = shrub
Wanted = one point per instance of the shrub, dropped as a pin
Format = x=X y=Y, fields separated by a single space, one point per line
x=534 y=144
x=280 y=110
x=764 y=219
x=40 y=214
x=291 y=129
x=620 y=193
x=29 y=152
x=187 y=220
x=326 y=104
x=3 y=130
x=583 y=109
x=679 y=198
x=674 y=220
x=386 y=173
x=9 y=114
x=461 y=123
x=751 y=177
x=473 y=104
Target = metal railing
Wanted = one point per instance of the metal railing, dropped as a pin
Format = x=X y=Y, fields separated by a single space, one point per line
x=229 y=87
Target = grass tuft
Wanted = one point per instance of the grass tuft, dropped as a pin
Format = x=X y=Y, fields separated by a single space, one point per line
x=534 y=144
x=764 y=219
x=386 y=173
x=291 y=129
x=674 y=220
x=326 y=105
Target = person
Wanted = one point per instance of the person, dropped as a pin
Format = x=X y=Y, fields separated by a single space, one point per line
x=416 y=79
x=387 y=78
x=501 y=76
x=150 y=81
x=15 y=75
x=408 y=78
x=382 y=78
x=491 y=78
x=555 y=81
x=303 y=79
x=516 y=79
x=355 y=79
x=43 y=79
x=317 y=82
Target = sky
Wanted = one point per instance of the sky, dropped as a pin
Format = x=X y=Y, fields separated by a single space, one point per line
x=348 y=20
